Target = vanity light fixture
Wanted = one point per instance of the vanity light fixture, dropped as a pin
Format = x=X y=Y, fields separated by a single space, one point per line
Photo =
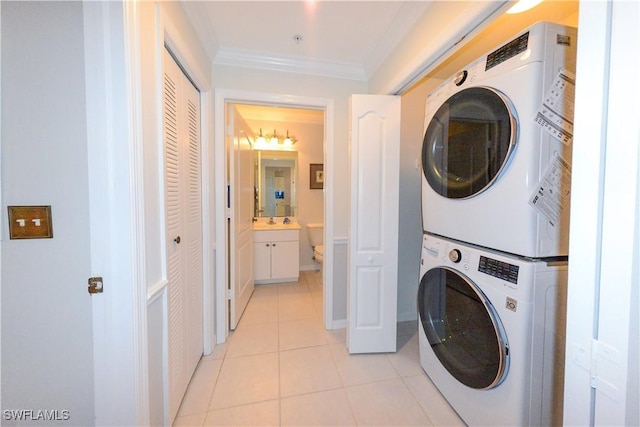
x=274 y=140
x=261 y=140
x=289 y=140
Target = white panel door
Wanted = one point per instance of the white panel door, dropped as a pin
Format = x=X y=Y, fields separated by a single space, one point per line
x=373 y=231
x=242 y=198
x=181 y=134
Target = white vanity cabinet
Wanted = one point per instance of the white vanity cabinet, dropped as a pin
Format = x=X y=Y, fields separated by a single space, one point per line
x=276 y=256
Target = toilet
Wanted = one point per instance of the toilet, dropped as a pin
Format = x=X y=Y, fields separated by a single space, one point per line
x=315 y=233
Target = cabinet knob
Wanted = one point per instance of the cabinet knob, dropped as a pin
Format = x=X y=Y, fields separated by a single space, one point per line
x=273 y=244
x=177 y=240
x=266 y=244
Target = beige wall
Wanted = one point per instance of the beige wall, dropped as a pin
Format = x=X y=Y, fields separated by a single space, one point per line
x=310 y=203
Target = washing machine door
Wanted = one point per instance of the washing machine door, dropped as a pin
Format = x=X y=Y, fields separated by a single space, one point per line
x=463 y=328
x=468 y=142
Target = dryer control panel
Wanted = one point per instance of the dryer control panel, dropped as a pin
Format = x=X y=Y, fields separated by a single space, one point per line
x=501 y=270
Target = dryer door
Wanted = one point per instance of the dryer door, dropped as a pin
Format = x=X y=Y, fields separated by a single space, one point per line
x=463 y=328
x=468 y=142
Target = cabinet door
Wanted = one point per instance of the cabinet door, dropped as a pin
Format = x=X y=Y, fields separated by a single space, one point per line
x=285 y=260
x=261 y=260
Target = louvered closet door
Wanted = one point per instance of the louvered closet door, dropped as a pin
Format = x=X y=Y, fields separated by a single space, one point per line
x=181 y=124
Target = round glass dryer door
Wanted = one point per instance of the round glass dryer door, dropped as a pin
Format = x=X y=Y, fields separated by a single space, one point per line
x=468 y=142
x=463 y=329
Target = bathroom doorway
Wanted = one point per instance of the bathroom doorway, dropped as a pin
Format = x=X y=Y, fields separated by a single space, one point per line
x=308 y=123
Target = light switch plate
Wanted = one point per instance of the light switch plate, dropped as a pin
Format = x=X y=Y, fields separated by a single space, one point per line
x=30 y=222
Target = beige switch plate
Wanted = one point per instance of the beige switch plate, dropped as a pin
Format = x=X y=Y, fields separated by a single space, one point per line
x=30 y=222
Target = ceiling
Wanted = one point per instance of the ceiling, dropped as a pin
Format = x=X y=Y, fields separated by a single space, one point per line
x=347 y=38
x=336 y=38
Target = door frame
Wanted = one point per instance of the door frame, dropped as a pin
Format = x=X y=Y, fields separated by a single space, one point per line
x=222 y=97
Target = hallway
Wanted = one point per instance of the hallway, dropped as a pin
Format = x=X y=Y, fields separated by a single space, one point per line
x=281 y=367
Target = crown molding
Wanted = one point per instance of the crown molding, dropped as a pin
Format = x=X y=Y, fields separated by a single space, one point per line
x=290 y=64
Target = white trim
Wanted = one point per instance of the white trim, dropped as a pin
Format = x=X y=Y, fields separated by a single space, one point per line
x=290 y=64
x=329 y=210
x=222 y=97
x=454 y=35
x=136 y=172
x=154 y=292
x=114 y=152
x=208 y=247
x=340 y=324
x=618 y=274
x=586 y=192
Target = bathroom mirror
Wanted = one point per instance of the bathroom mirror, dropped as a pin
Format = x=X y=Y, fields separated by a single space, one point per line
x=275 y=187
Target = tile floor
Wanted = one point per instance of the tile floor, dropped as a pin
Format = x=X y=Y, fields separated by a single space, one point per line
x=281 y=367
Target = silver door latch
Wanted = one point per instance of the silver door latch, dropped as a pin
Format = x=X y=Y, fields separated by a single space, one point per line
x=95 y=285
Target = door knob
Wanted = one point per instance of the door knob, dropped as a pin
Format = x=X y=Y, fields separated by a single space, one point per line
x=177 y=240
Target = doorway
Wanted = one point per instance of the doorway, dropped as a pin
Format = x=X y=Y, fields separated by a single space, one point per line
x=223 y=266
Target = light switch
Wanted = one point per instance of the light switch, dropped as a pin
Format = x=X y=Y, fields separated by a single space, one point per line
x=30 y=222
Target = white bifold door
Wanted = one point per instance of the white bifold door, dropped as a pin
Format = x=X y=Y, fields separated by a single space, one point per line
x=183 y=216
x=373 y=227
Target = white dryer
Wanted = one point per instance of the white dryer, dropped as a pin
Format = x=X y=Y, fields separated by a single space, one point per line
x=491 y=144
x=491 y=333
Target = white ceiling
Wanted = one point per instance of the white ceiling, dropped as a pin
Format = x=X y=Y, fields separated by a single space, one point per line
x=344 y=39
x=348 y=39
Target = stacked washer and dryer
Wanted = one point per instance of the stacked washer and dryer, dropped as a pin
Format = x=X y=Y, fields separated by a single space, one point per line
x=496 y=161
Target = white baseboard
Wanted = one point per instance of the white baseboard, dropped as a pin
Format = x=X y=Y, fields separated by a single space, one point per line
x=338 y=324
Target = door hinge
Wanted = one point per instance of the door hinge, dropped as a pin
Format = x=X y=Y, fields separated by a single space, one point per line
x=95 y=285
x=605 y=366
x=229 y=295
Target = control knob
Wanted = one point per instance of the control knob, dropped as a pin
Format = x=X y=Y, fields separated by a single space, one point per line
x=460 y=77
x=455 y=255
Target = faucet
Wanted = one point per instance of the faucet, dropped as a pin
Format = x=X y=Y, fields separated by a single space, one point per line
x=271 y=221
x=286 y=220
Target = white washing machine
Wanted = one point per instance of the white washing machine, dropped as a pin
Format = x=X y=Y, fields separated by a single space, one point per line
x=491 y=333
x=498 y=134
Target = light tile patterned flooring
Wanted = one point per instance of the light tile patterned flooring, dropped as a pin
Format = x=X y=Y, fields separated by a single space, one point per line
x=282 y=367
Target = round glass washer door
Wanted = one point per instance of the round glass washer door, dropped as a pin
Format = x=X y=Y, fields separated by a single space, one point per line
x=468 y=142
x=463 y=329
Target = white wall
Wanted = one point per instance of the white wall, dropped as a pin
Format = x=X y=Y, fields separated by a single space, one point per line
x=47 y=357
x=281 y=83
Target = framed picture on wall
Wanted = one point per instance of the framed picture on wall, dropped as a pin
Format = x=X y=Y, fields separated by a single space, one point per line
x=316 y=176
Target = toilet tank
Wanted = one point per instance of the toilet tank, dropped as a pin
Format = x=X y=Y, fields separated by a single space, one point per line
x=314 y=232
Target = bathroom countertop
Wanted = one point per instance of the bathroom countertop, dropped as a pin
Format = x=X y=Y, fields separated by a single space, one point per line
x=263 y=226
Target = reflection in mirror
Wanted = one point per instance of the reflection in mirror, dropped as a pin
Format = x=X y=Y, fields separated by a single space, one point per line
x=275 y=186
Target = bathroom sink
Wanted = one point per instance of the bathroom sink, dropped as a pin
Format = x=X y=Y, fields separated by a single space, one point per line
x=264 y=226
